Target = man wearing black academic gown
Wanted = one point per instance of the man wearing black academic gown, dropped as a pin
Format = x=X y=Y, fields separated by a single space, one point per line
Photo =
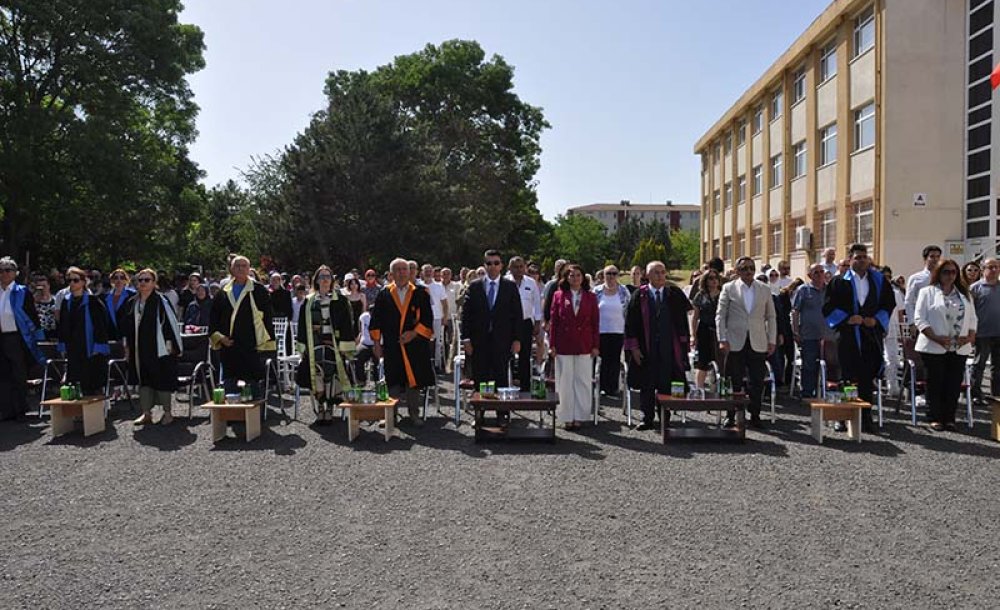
x=401 y=326
x=243 y=336
x=859 y=305
x=20 y=333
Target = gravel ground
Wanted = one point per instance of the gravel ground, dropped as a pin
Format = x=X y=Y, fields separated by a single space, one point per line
x=605 y=518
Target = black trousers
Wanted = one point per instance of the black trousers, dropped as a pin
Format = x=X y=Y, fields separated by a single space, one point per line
x=361 y=357
x=525 y=334
x=611 y=361
x=944 y=384
x=13 y=376
x=651 y=382
x=987 y=348
x=750 y=365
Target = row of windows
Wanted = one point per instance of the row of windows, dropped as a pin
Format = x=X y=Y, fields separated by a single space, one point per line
x=980 y=228
x=980 y=114
x=864 y=137
x=862 y=230
x=981 y=17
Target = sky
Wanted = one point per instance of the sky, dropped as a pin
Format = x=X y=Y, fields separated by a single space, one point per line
x=628 y=86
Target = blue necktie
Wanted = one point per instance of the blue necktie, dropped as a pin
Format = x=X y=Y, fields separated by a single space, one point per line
x=491 y=294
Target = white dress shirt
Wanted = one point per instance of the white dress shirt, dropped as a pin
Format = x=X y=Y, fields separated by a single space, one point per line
x=7 y=322
x=747 y=292
x=913 y=285
x=861 y=288
x=531 y=298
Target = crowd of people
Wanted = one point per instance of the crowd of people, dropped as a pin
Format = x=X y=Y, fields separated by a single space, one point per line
x=415 y=319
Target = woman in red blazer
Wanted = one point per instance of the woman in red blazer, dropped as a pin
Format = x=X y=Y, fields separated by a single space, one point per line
x=575 y=342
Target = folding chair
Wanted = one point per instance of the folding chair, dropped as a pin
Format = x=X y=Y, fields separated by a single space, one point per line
x=117 y=375
x=323 y=355
x=795 y=391
x=53 y=370
x=770 y=388
x=286 y=360
x=913 y=377
x=456 y=377
x=627 y=392
x=195 y=370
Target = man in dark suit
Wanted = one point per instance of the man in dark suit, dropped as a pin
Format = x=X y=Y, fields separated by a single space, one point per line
x=20 y=333
x=491 y=317
x=859 y=306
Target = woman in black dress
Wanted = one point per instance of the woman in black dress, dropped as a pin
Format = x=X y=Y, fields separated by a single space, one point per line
x=83 y=335
x=703 y=331
x=153 y=343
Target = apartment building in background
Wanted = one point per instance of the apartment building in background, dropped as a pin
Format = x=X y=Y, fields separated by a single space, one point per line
x=612 y=215
x=876 y=126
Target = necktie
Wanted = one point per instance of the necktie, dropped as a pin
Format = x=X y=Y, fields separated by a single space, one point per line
x=491 y=295
x=659 y=302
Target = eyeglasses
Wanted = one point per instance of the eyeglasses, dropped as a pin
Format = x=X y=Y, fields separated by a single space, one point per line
x=118 y=276
x=493 y=263
x=949 y=271
x=324 y=277
x=144 y=280
x=75 y=280
x=610 y=273
x=7 y=270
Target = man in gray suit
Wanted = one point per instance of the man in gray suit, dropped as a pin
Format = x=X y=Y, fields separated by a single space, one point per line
x=748 y=331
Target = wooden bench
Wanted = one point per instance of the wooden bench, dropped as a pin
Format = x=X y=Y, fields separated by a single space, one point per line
x=221 y=415
x=849 y=411
x=358 y=412
x=90 y=408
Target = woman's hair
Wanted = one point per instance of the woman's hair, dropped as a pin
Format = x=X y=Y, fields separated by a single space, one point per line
x=789 y=289
x=150 y=273
x=971 y=264
x=711 y=274
x=959 y=280
x=354 y=281
x=128 y=278
x=201 y=288
x=564 y=277
x=74 y=270
x=315 y=276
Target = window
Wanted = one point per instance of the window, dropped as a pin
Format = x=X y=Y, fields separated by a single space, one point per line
x=727 y=248
x=828 y=145
x=741 y=189
x=715 y=247
x=799 y=85
x=864 y=127
x=758 y=242
x=864 y=31
x=741 y=133
x=715 y=201
x=799 y=166
x=758 y=119
x=742 y=246
x=828 y=230
x=758 y=180
x=727 y=144
x=828 y=62
x=775 y=170
x=728 y=196
x=776 y=246
x=864 y=223
x=777 y=99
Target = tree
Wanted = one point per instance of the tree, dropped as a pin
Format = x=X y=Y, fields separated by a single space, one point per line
x=95 y=120
x=686 y=249
x=649 y=250
x=626 y=238
x=580 y=239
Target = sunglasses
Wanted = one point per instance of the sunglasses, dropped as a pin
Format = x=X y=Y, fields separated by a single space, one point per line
x=144 y=280
x=75 y=280
x=7 y=270
x=610 y=273
x=118 y=276
x=324 y=277
x=949 y=272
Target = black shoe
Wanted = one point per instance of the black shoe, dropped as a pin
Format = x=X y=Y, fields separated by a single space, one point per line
x=756 y=422
x=840 y=427
x=950 y=427
x=646 y=425
x=729 y=423
x=868 y=426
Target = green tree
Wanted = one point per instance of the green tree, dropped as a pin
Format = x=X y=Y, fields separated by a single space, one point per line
x=686 y=249
x=95 y=120
x=580 y=239
x=649 y=250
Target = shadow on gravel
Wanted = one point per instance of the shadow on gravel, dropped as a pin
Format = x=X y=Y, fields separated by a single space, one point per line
x=15 y=433
x=371 y=439
x=166 y=438
x=619 y=435
x=77 y=439
x=795 y=432
x=963 y=441
x=280 y=444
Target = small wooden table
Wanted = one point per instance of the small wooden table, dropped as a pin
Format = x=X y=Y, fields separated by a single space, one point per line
x=849 y=411
x=524 y=402
x=358 y=412
x=995 y=420
x=90 y=408
x=221 y=415
x=711 y=402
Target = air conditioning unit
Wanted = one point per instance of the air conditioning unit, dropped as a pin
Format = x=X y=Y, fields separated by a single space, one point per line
x=803 y=237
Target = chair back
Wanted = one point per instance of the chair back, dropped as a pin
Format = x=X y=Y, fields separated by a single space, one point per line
x=280 y=332
x=828 y=352
x=911 y=354
x=196 y=350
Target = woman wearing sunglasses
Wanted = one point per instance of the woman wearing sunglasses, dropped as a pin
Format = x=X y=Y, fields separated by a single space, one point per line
x=83 y=334
x=326 y=323
x=153 y=343
x=115 y=301
x=946 y=318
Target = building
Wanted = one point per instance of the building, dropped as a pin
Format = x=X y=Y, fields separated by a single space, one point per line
x=612 y=215
x=875 y=126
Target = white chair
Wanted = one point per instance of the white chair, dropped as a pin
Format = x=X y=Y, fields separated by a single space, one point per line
x=53 y=370
x=117 y=375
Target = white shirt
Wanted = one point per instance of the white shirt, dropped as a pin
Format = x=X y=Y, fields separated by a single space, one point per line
x=452 y=291
x=913 y=285
x=531 y=298
x=365 y=319
x=784 y=281
x=401 y=292
x=747 y=292
x=438 y=294
x=7 y=322
x=576 y=301
x=861 y=287
x=296 y=306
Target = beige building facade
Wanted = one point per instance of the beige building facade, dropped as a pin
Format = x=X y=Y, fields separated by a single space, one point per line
x=612 y=215
x=859 y=132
